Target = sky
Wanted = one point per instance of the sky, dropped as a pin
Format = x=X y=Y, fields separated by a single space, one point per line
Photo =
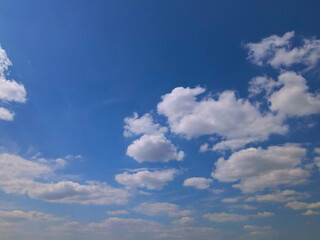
x=139 y=120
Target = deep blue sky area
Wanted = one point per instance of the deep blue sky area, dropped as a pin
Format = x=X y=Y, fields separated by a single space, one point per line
x=88 y=65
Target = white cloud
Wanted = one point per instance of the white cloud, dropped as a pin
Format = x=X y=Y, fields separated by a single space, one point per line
x=293 y=98
x=279 y=52
x=231 y=200
x=261 y=83
x=233 y=217
x=20 y=216
x=5 y=114
x=278 y=196
x=302 y=205
x=154 y=148
x=243 y=206
x=225 y=217
x=260 y=52
x=152 y=180
x=258 y=169
x=143 y=125
x=310 y=212
x=10 y=90
x=197 y=182
x=184 y=220
x=129 y=229
x=317 y=150
x=21 y=176
x=237 y=120
x=154 y=209
x=117 y=212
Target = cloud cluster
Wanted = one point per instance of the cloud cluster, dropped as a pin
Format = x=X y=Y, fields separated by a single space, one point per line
x=278 y=196
x=152 y=180
x=21 y=176
x=10 y=90
x=233 y=217
x=258 y=168
x=235 y=119
x=277 y=51
x=16 y=216
x=152 y=146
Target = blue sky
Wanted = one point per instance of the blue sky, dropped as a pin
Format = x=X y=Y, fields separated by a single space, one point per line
x=159 y=120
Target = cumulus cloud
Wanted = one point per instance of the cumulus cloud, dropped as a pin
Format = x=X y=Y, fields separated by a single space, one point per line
x=5 y=114
x=236 y=120
x=10 y=90
x=278 y=196
x=197 y=182
x=310 y=212
x=154 y=209
x=143 y=125
x=21 y=216
x=294 y=98
x=21 y=176
x=233 y=217
x=258 y=169
x=152 y=180
x=154 y=148
x=278 y=51
x=296 y=205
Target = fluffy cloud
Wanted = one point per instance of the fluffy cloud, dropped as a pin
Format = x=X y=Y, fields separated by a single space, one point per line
x=21 y=176
x=278 y=51
x=278 y=196
x=154 y=148
x=154 y=209
x=21 y=216
x=152 y=180
x=10 y=90
x=233 y=217
x=293 y=98
x=143 y=125
x=197 y=182
x=237 y=120
x=302 y=205
x=258 y=169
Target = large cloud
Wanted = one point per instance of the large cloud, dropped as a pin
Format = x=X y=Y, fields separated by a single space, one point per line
x=153 y=180
x=258 y=169
x=237 y=120
x=21 y=176
x=154 y=148
x=279 y=52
